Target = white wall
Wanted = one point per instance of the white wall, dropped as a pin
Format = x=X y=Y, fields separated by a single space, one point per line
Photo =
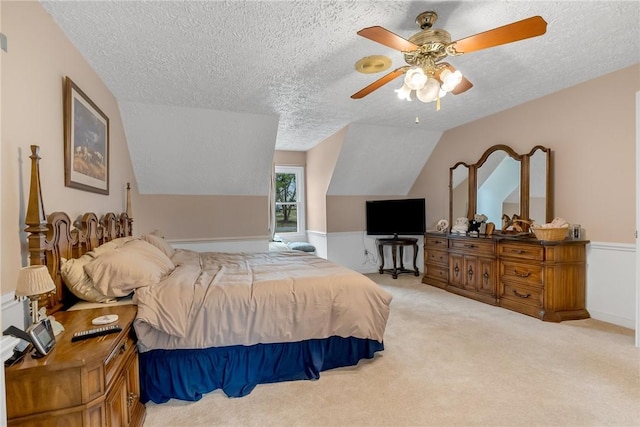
x=611 y=284
x=637 y=259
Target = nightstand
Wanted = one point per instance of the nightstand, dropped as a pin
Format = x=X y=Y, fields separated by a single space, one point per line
x=94 y=382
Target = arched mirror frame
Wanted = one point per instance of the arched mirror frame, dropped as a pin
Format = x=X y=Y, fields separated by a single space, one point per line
x=525 y=180
x=452 y=171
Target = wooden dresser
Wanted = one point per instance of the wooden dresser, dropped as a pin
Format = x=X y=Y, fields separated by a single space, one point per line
x=543 y=279
x=94 y=382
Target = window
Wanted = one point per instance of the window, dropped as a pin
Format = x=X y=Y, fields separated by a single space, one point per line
x=289 y=200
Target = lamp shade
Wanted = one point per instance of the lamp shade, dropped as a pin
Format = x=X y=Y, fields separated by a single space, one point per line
x=34 y=280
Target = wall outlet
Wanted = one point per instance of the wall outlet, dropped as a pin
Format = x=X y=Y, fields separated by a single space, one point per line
x=366 y=252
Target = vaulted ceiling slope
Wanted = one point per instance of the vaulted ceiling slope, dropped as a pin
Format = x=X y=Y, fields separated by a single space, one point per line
x=294 y=61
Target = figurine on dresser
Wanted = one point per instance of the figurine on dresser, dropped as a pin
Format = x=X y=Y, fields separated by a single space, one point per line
x=461 y=226
x=478 y=225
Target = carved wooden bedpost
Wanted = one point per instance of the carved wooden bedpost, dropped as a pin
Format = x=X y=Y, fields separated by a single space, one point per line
x=35 y=219
x=129 y=230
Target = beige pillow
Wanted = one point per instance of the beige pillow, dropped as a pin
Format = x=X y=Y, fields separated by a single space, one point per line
x=159 y=243
x=110 y=245
x=78 y=282
x=134 y=264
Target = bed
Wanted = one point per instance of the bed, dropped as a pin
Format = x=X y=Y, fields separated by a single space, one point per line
x=212 y=320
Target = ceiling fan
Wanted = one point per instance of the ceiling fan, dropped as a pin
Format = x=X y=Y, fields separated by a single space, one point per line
x=424 y=52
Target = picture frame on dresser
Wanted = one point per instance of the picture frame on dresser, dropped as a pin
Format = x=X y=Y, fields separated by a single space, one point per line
x=86 y=142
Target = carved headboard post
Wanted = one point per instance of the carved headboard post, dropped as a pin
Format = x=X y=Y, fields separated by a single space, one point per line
x=129 y=225
x=35 y=219
x=54 y=238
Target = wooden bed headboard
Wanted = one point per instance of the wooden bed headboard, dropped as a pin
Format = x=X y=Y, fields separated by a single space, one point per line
x=56 y=236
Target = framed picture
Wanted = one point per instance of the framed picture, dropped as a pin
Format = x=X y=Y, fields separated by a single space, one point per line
x=86 y=142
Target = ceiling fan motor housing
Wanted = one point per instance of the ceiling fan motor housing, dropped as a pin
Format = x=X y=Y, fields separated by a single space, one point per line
x=432 y=43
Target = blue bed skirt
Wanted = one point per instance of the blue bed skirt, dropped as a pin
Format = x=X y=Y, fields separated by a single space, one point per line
x=188 y=374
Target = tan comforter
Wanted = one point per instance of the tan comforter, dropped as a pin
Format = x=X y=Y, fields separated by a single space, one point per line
x=220 y=299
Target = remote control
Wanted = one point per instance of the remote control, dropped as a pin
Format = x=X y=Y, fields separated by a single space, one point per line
x=90 y=333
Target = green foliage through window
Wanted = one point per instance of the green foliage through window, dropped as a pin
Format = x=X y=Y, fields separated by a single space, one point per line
x=286 y=203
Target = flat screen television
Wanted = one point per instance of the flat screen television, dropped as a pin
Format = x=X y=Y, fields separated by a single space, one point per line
x=395 y=217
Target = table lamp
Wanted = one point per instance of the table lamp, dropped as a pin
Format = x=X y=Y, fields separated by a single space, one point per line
x=34 y=281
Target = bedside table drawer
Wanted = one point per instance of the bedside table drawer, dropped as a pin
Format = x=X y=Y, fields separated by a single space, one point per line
x=117 y=358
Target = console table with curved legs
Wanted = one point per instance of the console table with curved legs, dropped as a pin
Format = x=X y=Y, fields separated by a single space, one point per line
x=398 y=244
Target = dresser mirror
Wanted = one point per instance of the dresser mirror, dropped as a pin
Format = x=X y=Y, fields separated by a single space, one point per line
x=503 y=182
x=498 y=186
x=458 y=191
x=540 y=196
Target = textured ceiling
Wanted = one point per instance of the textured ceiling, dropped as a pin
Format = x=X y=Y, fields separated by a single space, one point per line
x=295 y=59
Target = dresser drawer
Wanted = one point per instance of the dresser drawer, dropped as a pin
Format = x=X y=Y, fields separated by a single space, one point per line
x=521 y=272
x=437 y=272
x=436 y=242
x=438 y=257
x=520 y=294
x=474 y=246
x=521 y=251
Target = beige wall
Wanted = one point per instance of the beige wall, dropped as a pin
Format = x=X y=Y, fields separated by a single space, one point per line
x=591 y=130
x=201 y=217
x=321 y=162
x=33 y=71
x=290 y=158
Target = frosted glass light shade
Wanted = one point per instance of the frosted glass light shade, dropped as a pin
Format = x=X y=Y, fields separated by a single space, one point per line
x=415 y=78
x=450 y=80
x=34 y=280
x=430 y=91
x=404 y=92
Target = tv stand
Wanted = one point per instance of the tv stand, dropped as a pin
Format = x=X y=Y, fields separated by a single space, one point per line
x=398 y=243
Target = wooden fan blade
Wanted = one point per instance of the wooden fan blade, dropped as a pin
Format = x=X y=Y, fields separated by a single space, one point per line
x=379 y=83
x=464 y=84
x=520 y=30
x=387 y=38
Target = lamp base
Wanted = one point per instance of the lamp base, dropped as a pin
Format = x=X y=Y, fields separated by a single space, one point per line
x=56 y=326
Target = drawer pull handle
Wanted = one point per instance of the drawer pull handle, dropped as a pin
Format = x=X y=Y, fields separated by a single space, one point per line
x=527 y=274
x=470 y=273
x=517 y=251
x=470 y=246
x=519 y=295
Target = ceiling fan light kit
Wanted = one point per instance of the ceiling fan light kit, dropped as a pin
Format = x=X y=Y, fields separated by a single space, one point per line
x=425 y=74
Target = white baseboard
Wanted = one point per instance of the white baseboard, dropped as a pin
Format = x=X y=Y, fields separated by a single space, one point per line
x=612 y=318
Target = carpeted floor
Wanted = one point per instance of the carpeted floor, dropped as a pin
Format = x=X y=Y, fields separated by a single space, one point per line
x=450 y=361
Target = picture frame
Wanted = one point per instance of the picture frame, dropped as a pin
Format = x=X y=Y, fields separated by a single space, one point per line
x=86 y=142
